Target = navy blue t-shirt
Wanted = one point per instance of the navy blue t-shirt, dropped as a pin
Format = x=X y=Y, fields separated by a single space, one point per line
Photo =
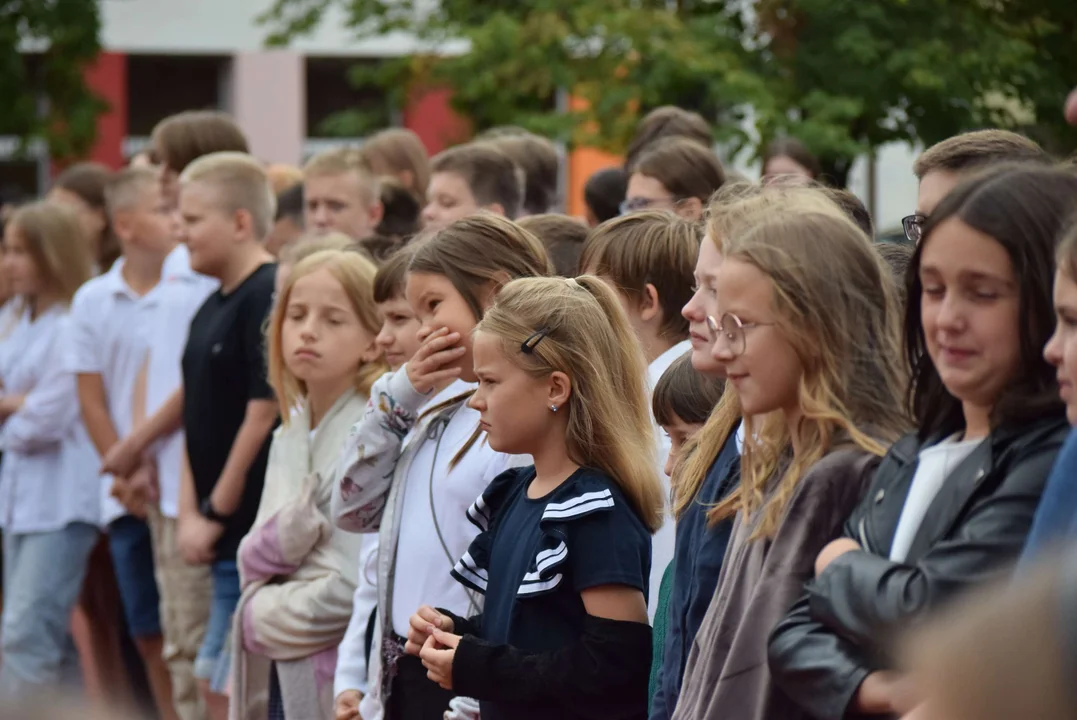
x=537 y=555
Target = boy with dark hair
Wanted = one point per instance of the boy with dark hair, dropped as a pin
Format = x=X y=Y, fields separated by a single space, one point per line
x=563 y=237
x=855 y=209
x=649 y=258
x=668 y=121
x=603 y=194
x=674 y=173
x=541 y=165
x=469 y=178
x=942 y=166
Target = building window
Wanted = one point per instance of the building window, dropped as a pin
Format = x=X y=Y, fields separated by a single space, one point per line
x=336 y=107
x=163 y=85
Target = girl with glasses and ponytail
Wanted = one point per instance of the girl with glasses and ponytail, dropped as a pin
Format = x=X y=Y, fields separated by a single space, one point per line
x=564 y=551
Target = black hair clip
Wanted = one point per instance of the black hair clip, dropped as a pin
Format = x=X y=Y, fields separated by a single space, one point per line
x=528 y=346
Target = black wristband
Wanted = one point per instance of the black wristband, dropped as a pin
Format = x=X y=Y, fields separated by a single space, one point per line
x=209 y=513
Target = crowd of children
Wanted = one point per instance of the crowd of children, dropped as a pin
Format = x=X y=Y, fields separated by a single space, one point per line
x=389 y=436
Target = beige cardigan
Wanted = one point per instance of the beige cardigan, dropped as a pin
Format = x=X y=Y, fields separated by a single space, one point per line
x=297 y=572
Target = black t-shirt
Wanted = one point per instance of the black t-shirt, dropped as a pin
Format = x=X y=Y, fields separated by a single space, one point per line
x=224 y=368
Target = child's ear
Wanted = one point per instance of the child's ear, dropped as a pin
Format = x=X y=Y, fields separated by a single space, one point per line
x=496 y=209
x=376 y=213
x=560 y=389
x=244 y=223
x=121 y=226
x=370 y=353
x=649 y=306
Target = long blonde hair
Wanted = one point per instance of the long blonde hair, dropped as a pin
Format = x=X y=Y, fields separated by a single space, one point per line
x=835 y=303
x=355 y=274
x=734 y=209
x=53 y=238
x=589 y=338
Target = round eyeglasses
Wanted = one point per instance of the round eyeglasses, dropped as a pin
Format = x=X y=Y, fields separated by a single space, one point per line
x=733 y=331
x=636 y=204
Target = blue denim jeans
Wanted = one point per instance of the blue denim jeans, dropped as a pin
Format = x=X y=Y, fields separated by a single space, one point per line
x=43 y=574
x=214 y=659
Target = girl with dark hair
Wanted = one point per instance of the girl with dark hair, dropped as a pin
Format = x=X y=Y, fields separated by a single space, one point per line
x=952 y=502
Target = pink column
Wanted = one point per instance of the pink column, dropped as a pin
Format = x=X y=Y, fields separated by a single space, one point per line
x=269 y=102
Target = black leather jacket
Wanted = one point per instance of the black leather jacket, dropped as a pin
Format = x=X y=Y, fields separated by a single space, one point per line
x=836 y=634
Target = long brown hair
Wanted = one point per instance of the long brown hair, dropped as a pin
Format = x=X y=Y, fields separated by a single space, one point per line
x=846 y=335
x=732 y=210
x=591 y=340
x=90 y=181
x=476 y=253
x=478 y=250
x=53 y=238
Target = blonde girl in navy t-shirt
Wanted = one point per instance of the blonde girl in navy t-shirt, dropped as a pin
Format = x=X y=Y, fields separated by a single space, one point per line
x=564 y=553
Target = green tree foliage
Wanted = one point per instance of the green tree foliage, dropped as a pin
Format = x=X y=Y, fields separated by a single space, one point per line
x=44 y=46
x=844 y=76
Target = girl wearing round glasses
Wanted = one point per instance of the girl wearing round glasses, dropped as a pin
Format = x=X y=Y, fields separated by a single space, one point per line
x=710 y=469
x=814 y=366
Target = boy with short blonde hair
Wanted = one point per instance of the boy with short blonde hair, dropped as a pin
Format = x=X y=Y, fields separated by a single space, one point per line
x=226 y=207
x=106 y=350
x=341 y=194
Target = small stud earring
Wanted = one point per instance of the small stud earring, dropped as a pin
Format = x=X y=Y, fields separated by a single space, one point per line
x=554 y=408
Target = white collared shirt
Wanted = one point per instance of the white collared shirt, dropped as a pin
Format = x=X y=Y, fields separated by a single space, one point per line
x=179 y=295
x=109 y=326
x=663 y=541
x=47 y=476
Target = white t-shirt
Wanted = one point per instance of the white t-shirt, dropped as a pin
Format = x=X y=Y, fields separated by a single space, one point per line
x=664 y=540
x=108 y=336
x=936 y=464
x=180 y=293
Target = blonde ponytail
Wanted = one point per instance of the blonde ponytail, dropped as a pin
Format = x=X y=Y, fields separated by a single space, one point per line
x=591 y=340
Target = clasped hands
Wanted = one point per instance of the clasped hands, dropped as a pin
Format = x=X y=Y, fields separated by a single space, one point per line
x=431 y=639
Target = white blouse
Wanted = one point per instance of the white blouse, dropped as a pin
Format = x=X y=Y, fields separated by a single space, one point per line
x=48 y=474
